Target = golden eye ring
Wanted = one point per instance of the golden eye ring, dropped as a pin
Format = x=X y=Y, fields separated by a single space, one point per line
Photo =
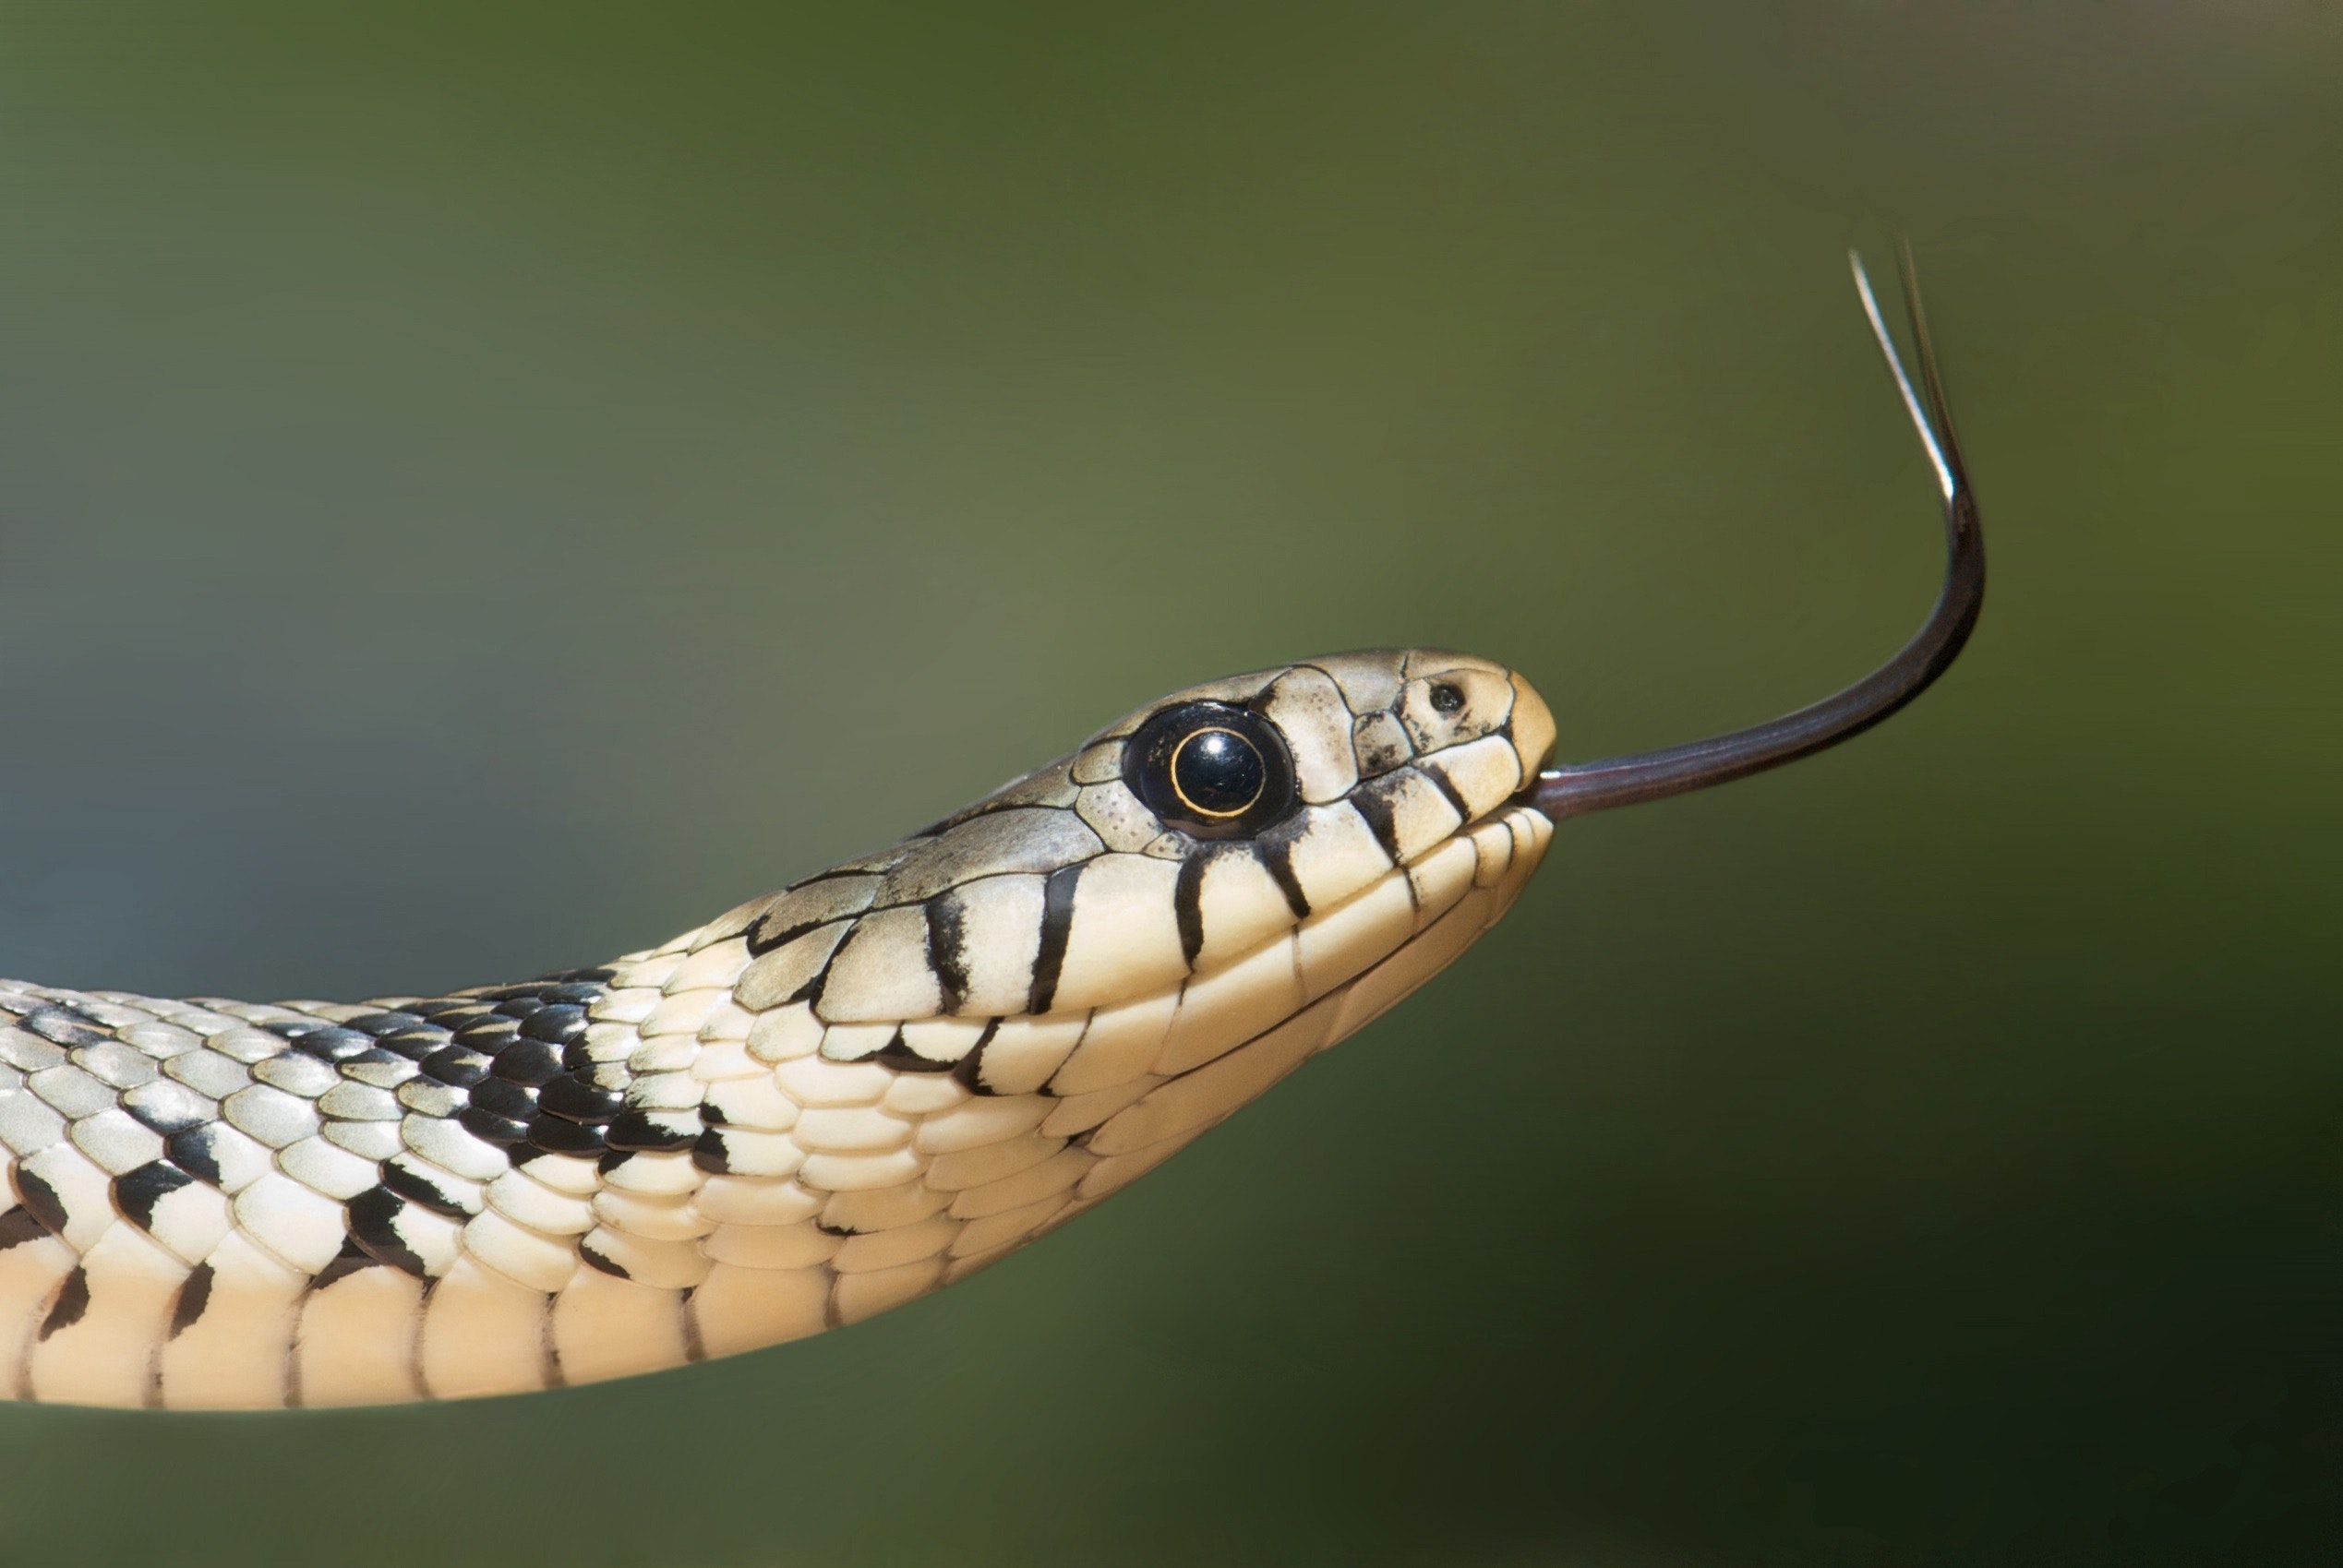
x=1211 y=771
x=1217 y=773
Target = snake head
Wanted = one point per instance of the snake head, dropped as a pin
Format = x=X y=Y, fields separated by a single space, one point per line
x=1196 y=833
x=1134 y=940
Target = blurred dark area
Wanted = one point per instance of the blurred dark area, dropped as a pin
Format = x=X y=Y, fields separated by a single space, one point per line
x=484 y=487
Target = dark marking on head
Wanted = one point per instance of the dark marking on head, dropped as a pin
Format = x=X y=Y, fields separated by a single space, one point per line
x=1188 y=904
x=39 y=1199
x=1373 y=803
x=73 y=1299
x=195 y=1294
x=1057 y=926
x=947 y=953
x=709 y=1154
x=18 y=1226
x=1274 y=851
x=136 y=1192
x=1441 y=782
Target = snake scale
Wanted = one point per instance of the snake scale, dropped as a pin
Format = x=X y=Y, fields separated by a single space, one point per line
x=825 y=1102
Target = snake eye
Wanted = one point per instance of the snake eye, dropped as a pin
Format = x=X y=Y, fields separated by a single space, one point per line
x=1216 y=773
x=1211 y=769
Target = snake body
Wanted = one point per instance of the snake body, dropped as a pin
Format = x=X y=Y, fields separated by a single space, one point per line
x=820 y=1105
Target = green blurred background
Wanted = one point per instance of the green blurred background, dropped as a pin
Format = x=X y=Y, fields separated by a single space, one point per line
x=485 y=486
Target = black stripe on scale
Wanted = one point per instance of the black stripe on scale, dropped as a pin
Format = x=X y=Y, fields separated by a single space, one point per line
x=762 y=939
x=370 y=1218
x=195 y=1295
x=20 y=1226
x=1372 y=801
x=59 y=1027
x=968 y=1072
x=574 y=1096
x=407 y=1182
x=497 y=1097
x=556 y=1135
x=610 y=1266
x=947 y=948
x=73 y=1299
x=333 y=1044
x=532 y=1064
x=1440 y=782
x=136 y=1192
x=191 y=1150
x=347 y=1262
x=1057 y=924
x=490 y=1128
x=39 y=1199
x=1274 y=849
x=897 y=1056
x=635 y=1131
x=1187 y=903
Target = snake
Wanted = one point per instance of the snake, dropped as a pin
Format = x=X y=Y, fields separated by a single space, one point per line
x=828 y=1101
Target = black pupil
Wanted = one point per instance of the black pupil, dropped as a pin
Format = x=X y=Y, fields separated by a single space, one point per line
x=1218 y=773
